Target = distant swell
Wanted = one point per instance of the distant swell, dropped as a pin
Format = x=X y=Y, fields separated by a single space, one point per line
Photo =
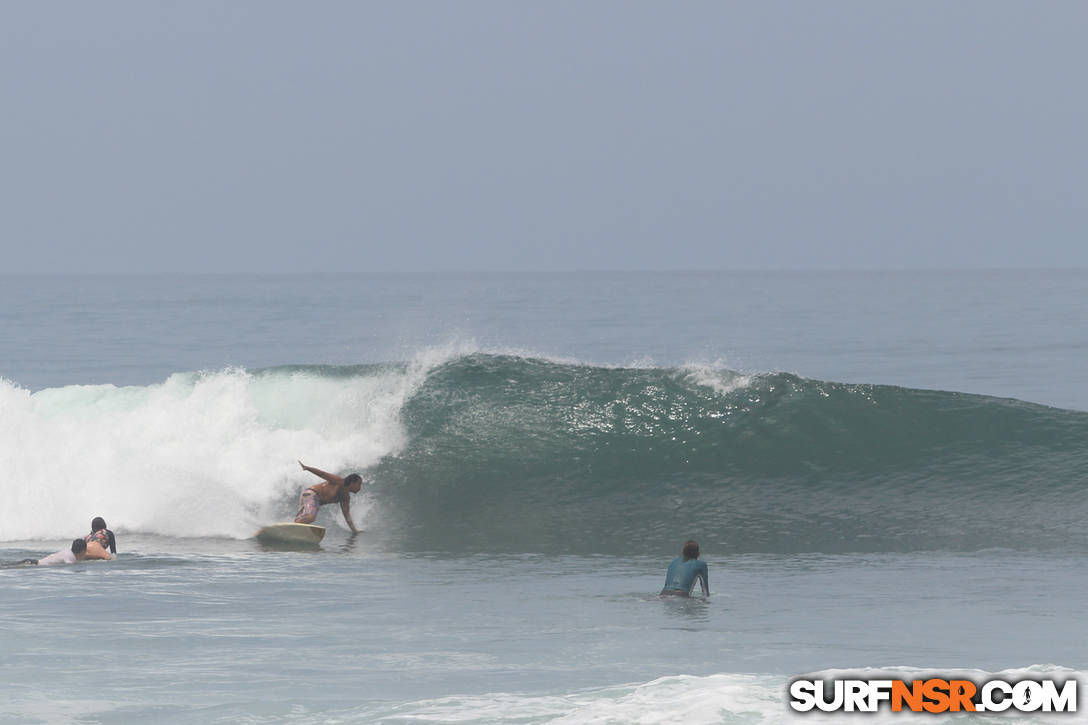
x=500 y=453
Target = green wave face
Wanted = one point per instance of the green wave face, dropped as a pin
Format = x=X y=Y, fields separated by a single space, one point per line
x=523 y=455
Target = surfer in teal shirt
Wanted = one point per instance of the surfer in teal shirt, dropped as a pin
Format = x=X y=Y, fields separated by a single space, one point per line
x=684 y=571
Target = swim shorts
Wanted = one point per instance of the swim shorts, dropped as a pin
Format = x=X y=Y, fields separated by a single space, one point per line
x=308 y=503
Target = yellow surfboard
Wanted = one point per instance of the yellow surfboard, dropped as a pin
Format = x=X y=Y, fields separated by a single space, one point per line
x=291 y=533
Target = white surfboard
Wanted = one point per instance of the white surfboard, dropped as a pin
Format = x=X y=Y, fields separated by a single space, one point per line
x=291 y=533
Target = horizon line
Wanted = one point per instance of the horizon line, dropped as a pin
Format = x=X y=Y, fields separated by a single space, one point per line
x=438 y=272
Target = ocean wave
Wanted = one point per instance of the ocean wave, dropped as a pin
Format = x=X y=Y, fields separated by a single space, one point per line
x=469 y=451
x=529 y=454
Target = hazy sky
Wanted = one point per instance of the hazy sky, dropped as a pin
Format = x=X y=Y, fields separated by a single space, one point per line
x=368 y=137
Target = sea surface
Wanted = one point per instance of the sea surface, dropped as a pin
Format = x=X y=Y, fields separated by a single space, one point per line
x=887 y=472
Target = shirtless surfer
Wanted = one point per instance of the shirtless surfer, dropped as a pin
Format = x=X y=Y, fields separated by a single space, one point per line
x=334 y=490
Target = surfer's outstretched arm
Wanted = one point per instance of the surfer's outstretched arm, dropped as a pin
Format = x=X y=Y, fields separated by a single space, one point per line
x=345 y=507
x=331 y=478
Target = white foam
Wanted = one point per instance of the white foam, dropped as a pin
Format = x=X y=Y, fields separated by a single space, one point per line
x=716 y=376
x=201 y=454
x=719 y=698
x=667 y=700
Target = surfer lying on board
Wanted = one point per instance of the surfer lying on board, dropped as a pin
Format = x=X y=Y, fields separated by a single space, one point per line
x=78 y=551
x=334 y=490
x=684 y=571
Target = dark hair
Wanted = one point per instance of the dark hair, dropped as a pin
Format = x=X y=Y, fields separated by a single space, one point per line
x=78 y=546
x=353 y=478
x=97 y=523
x=691 y=550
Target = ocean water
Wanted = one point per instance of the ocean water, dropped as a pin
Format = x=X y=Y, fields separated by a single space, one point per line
x=886 y=472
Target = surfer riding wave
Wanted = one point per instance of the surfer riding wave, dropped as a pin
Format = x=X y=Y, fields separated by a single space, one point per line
x=333 y=490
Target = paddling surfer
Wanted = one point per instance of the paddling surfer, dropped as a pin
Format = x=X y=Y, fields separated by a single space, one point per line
x=334 y=490
x=684 y=571
x=78 y=551
x=103 y=536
